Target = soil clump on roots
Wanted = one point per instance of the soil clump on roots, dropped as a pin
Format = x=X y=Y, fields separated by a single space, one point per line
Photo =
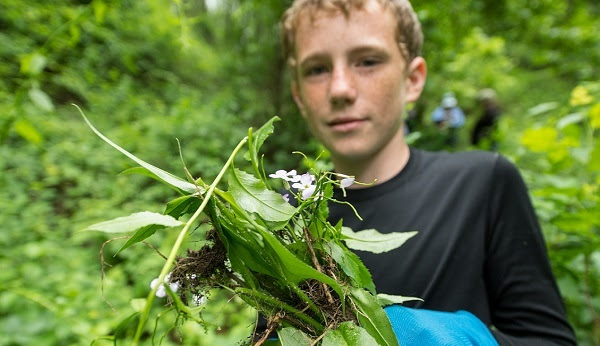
x=201 y=269
x=206 y=268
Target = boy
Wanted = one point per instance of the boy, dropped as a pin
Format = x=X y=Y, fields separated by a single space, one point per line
x=356 y=64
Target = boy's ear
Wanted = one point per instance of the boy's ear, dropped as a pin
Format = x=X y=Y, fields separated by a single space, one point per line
x=297 y=97
x=415 y=79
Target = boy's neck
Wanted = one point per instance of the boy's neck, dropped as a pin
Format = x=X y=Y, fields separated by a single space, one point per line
x=378 y=169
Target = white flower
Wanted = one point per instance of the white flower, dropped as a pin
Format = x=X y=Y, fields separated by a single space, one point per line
x=305 y=181
x=287 y=176
x=286 y=197
x=347 y=182
x=305 y=185
x=309 y=191
x=161 y=292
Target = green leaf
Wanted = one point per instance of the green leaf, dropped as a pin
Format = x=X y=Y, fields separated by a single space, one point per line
x=143 y=171
x=295 y=269
x=373 y=241
x=263 y=132
x=372 y=317
x=352 y=266
x=259 y=137
x=348 y=334
x=139 y=235
x=41 y=99
x=290 y=336
x=133 y=222
x=175 y=208
x=161 y=174
x=181 y=205
x=252 y=195
x=251 y=254
x=388 y=299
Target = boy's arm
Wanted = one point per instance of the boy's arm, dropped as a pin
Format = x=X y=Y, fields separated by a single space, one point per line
x=526 y=306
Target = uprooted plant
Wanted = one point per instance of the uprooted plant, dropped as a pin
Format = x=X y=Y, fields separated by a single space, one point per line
x=286 y=261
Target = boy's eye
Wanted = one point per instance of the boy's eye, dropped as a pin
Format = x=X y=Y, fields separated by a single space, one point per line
x=315 y=70
x=367 y=62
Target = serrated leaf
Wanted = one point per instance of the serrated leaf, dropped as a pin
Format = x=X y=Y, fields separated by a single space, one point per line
x=133 y=222
x=373 y=241
x=373 y=318
x=161 y=174
x=290 y=336
x=352 y=266
x=252 y=195
x=348 y=334
x=388 y=299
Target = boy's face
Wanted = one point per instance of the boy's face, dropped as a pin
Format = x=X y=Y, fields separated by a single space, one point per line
x=352 y=82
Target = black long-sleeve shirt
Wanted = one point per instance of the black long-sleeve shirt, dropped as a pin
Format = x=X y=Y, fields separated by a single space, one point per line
x=479 y=246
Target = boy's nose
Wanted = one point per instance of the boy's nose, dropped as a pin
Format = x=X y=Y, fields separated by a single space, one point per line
x=342 y=90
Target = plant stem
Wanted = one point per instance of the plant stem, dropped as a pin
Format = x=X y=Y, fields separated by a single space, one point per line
x=265 y=299
x=304 y=297
x=179 y=241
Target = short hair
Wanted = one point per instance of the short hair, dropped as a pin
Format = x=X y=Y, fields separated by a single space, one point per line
x=408 y=28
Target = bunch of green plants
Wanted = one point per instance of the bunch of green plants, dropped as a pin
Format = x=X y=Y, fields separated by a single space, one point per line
x=559 y=156
x=287 y=262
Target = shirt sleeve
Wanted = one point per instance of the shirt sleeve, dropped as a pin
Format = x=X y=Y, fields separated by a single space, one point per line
x=526 y=306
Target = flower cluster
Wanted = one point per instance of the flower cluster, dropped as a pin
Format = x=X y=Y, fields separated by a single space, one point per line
x=161 y=292
x=306 y=183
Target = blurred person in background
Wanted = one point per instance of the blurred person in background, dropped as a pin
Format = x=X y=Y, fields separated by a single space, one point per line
x=448 y=118
x=488 y=120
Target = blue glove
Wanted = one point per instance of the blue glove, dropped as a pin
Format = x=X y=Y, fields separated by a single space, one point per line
x=427 y=327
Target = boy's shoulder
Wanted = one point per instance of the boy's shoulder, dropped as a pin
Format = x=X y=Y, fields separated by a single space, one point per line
x=459 y=159
x=476 y=164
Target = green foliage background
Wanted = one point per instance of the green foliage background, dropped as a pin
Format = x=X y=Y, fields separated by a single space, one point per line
x=147 y=72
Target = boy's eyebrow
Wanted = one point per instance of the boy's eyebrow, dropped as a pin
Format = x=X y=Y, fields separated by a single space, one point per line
x=314 y=57
x=370 y=48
